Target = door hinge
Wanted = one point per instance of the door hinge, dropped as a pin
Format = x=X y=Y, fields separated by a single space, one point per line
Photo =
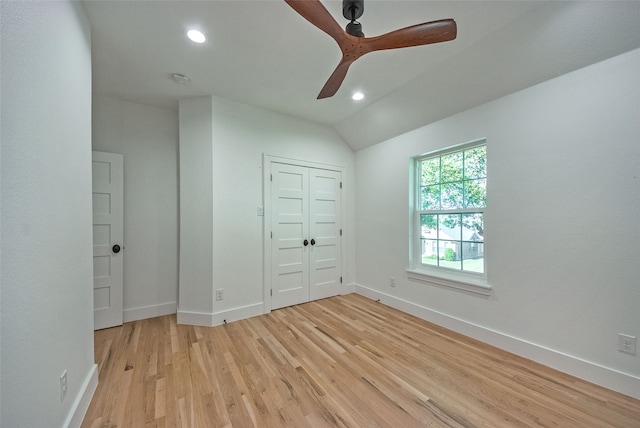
x=272 y=292
x=341 y=184
x=270 y=177
x=271 y=234
x=340 y=280
x=340 y=232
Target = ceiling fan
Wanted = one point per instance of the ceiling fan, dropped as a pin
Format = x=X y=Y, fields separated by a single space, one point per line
x=354 y=44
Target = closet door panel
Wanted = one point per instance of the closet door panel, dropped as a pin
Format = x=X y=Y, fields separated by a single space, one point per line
x=290 y=217
x=325 y=210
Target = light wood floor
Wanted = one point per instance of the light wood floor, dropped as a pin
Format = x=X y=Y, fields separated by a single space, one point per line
x=340 y=362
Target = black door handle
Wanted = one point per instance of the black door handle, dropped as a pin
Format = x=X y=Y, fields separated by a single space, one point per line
x=306 y=242
x=313 y=241
x=116 y=248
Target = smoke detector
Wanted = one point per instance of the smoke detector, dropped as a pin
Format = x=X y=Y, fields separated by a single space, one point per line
x=180 y=78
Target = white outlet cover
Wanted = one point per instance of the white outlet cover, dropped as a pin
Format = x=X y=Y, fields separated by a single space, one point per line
x=627 y=344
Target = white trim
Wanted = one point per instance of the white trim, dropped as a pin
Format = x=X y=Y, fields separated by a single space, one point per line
x=309 y=164
x=218 y=318
x=266 y=233
x=151 y=311
x=482 y=141
x=624 y=383
x=236 y=314
x=83 y=399
x=195 y=318
x=455 y=280
x=349 y=288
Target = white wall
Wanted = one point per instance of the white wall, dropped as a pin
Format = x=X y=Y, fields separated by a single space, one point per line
x=148 y=139
x=241 y=134
x=562 y=222
x=196 y=208
x=47 y=306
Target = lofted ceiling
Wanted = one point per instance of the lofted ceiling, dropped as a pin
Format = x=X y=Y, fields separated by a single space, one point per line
x=264 y=54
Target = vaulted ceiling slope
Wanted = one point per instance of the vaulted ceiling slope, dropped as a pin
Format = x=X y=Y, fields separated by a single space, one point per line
x=264 y=54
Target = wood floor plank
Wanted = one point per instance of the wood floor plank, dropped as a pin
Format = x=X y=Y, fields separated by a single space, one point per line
x=345 y=362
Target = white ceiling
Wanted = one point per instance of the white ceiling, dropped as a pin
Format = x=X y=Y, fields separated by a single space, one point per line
x=264 y=54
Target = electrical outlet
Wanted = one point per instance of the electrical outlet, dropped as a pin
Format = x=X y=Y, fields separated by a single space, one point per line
x=220 y=294
x=63 y=385
x=626 y=343
x=392 y=281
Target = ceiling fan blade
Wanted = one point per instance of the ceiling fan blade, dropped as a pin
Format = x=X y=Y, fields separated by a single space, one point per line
x=335 y=80
x=354 y=47
x=416 y=35
x=314 y=12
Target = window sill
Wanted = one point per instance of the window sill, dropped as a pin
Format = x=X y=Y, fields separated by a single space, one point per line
x=459 y=282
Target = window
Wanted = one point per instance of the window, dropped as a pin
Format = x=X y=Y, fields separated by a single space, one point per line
x=450 y=200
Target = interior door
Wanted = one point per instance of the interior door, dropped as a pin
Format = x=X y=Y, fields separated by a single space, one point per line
x=325 y=272
x=107 y=239
x=305 y=234
x=290 y=217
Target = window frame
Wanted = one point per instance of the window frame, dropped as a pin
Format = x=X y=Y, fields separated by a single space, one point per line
x=475 y=282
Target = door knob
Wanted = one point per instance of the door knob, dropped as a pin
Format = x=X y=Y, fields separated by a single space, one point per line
x=306 y=242
x=313 y=241
x=116 y=249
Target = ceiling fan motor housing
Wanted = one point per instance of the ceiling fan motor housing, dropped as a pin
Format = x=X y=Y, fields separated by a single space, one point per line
x=355 y=29
x=352 y=9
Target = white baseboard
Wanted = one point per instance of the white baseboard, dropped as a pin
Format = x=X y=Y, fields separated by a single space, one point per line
x=240 y=313
x=615 y=380
x=82 y=401
x=350 y=288
x=195 y=318
x=218 y=318
x=152 y=311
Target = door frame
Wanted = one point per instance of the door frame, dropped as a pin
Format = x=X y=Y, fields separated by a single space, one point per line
x=267 y=160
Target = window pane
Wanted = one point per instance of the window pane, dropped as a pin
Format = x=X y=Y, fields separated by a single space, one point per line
x=449 y=255
x=429 y=226
x=430 y=197
x=430 y=171
x=473 y=257
x=451 y=167
x=430 y=252
x=451 y=195
x=450 y=226
x=475 y=193
x=473 y=227
x=475 y=162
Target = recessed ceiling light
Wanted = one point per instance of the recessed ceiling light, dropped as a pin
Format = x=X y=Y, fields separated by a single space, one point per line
x=357 y=96
x=196 y=36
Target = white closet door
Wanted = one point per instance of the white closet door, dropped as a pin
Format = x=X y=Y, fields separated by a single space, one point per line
x=324 y=230
x=290 y=228
x=305 y=234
